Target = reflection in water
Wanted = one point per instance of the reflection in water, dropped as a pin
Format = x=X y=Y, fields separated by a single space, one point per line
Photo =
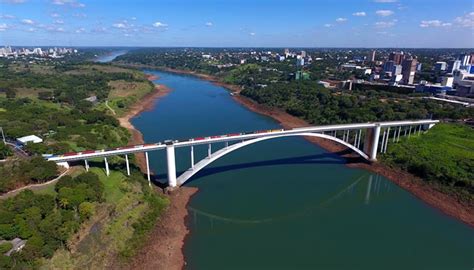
x=369 y=187
x=343 y=194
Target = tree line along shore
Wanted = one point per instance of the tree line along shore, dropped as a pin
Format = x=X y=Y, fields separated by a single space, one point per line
x=85 y=218
x=440 y=164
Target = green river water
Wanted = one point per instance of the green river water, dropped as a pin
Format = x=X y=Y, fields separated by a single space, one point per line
x=288 y=204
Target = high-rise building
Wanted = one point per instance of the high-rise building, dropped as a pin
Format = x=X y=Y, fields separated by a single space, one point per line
x=465 y=59
x=454 y=65
x=396 y=57
x=388 y=66
x=408 y=70
x=371 y=57
x=440 y=66
x=397 y=70
x=303 y=53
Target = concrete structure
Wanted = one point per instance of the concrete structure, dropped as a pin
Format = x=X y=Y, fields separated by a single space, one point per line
x=396 y=57
x=440 y=66
x=29 y=139
x=366 y=136
x=409 y=69
x=447 y=81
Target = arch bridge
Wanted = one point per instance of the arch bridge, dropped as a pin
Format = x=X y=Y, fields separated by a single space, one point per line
x=365 y=139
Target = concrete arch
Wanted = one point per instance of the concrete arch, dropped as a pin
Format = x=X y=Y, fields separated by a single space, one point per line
x=183 y=178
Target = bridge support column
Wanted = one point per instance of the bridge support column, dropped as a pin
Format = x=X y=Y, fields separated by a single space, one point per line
x=209 y=150
x=399 y=131
x=371 y=143
x=355 y=139
x=386 y=140
x=86 y=165
x=383 y=141
x=127 y=163
x=170 y=158
x=358 y=138
x=107 y=171
x=148 y=169
x=192 y=157
x=409 y=132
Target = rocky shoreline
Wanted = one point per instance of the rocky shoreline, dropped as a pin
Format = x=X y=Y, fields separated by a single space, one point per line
x=447 y=204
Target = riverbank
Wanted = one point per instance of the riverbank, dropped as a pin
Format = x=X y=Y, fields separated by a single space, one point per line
x=163 y=249
x=447 y=204
x=147 y=102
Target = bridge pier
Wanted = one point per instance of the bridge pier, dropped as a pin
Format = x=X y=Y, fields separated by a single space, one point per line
x=107 y=171
x=371 y=143
x=192 y=157
x=386 y=140
x=86 y=165
x=148 y=169
x=128 y=165
x=209 y=150
x=171 y=161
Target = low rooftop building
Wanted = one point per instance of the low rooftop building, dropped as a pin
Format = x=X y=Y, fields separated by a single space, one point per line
x=29 y=139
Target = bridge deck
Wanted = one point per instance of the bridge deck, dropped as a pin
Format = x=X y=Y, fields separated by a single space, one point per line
x=229 y=138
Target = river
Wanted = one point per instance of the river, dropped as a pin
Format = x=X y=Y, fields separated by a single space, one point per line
x=109 y=57
x=288 y=204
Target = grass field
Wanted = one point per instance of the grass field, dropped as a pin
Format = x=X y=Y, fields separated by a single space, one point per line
x=443 y=156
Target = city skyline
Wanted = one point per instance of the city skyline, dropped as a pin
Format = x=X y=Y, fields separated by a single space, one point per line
x=214 y=23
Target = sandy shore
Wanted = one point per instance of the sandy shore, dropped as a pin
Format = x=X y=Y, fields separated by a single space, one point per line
x=146 y=103
x=447 y=204
x=163 y=249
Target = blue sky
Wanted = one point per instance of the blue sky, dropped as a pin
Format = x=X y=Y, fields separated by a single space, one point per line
x=250 y=23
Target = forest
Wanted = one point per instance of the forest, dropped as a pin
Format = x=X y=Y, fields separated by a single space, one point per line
x=318 y=105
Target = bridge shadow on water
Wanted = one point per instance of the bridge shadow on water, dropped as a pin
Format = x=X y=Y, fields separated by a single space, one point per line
x=325 y=158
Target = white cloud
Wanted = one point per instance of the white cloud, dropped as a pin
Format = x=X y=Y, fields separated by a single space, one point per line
x=133 y=18
x=58 y=22
x=159 y=24
x=80 y=30
x=31 y=29
x=466 y=20
x=385 y=24
x=359 y=14
x=27 y=21
x=209 y=24
x=79 y=15
x=55 y=15
x=385 y=1
x=55 y=29
x=341 y=20
x=434 y=23
x=252 y=34
x=99 y=29
x=6 y=16
x=72 y=3
x=384 y=12
x=328 y=25
x=3 y=27
x=12 y=1
x=119 y=25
